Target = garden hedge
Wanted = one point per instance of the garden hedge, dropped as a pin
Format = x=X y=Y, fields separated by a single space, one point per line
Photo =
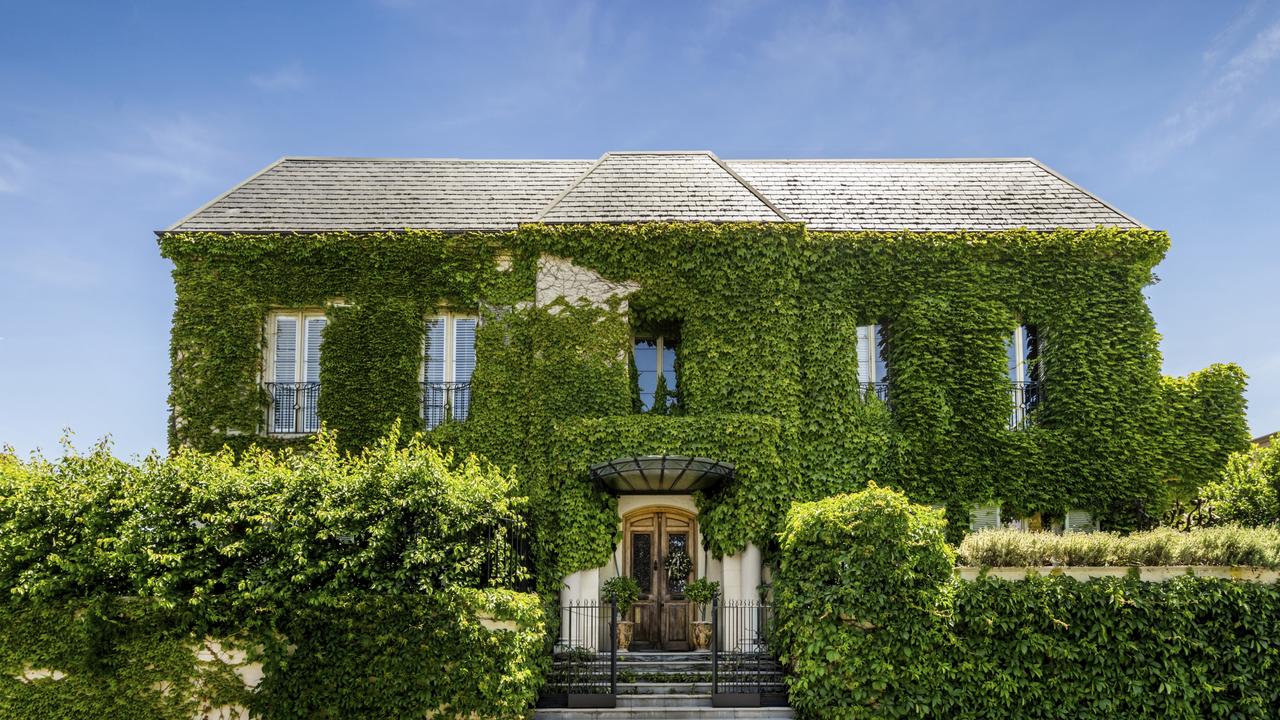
x=357 y=583
x=873 y=624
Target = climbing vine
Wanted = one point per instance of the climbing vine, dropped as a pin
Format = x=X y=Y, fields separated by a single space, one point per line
x=767 y=316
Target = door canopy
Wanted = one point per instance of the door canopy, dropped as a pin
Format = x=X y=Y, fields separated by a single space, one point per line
x=660 y=475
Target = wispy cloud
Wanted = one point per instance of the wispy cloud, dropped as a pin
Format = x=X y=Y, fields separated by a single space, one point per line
x=1226 y=92
x=286 y=77
x=15 y=166
x=183 y=150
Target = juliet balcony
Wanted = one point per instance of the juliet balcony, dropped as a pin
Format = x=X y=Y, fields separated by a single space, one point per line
x=444 y=401
x=292 y=408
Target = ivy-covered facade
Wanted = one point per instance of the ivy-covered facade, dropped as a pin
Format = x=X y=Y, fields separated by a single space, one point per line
x=1015 y=366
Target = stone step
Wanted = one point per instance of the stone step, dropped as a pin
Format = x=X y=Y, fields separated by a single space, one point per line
x=664 y=713
x=669 y=700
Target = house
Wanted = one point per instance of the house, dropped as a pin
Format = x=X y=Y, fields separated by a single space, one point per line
x=670 y=348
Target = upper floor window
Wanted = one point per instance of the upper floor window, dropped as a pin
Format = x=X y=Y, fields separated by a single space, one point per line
x=1025 y=386
x=293 y=372
x=655 y=362
x=448 y=360
x=873 y=361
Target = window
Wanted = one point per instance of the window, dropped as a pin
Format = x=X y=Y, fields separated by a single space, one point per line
x=1025 y=388
x=448 y=359
x=293 y=375
x=873 y=361
x=655 y=359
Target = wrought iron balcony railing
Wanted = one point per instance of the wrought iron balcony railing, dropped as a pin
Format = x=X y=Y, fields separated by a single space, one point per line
x=878 y=389
x=292 y=408
x=443 y=401
x=1026 y=396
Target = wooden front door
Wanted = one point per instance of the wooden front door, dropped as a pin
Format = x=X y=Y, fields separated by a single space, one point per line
x=662 y=613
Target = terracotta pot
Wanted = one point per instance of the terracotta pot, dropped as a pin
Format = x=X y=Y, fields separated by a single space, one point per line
x=701 y=635
x=626 y=629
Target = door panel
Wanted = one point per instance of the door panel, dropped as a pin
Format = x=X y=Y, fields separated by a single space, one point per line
x=662 y=614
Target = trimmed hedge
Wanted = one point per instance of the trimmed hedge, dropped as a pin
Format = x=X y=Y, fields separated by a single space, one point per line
x=1257 y=547
x=353 y=580
x=1050 y=647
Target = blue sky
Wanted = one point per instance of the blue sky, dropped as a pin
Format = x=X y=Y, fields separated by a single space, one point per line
x=118 y=118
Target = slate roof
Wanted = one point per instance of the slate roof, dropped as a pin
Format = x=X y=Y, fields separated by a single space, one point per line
x=369 y=194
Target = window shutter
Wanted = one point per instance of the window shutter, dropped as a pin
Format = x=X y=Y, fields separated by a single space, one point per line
x=984 y=517
x=1078 y=521
x=285 y=363
x=464 y=364
x=464 y=349
x=310 y=394
x=284 y=373
x=433 y=351
x=866 y=357
x=315 y=334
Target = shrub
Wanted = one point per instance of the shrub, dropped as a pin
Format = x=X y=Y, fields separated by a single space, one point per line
x=701 y=592
x=335 y=569
x=860 y=593
x=1249 y=491
x=1228 y=545
x=622 y=590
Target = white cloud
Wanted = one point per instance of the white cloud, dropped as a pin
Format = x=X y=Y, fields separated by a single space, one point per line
x=183 y=150
x=284 y=78
x=15 y=166
x=1227 y=91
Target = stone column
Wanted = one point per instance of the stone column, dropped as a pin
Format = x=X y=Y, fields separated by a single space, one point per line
x=570 y=626
x=589 y=595
x=751 y=565
x=731 y=593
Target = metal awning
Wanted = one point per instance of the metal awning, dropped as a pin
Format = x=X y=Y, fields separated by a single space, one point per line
x=660 y=475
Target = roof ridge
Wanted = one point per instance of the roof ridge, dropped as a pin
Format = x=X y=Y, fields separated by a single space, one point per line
x=576 y=182
x=1102 y=202
x=750 y=188
x=889 y=160
x=341 y=158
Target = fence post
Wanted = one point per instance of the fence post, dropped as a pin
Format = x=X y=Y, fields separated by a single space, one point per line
x=613 y=648
x=715 y=643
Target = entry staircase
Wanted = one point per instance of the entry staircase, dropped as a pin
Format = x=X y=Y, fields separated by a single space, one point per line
x=668 y=686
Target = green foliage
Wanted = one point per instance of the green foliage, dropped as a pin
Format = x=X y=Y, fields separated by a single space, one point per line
x=1206 y=425
x=621 y=590
x=1228 y=545
x=1248 y=493
x=862 y=582
x=873 y=624
x=1054 y=647
x=116 y=574
x=701 y=592
x=767 y=316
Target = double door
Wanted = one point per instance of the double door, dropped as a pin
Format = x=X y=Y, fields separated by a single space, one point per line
x=660 y=556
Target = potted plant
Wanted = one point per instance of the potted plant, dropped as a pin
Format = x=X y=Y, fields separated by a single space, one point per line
x=701 y=592
x=622 y=591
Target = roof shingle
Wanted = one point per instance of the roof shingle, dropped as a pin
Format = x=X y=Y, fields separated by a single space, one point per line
x=360 y=194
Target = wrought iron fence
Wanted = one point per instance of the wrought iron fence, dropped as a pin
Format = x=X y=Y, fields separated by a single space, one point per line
x=584 y=668
x=292 y=407
x=744 y=670
x=443 y=401
x=1026 y=396
x=508 y=557
x=878 y=389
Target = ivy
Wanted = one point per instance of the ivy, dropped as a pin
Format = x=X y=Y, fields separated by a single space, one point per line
x=767 y=316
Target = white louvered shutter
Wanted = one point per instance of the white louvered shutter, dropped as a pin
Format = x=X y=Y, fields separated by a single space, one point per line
x=866 y=354
x=984 y=517
x=433 y=357
x=284 y=373
x=464 y=364
x=311 y=373
x=1078 y=521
